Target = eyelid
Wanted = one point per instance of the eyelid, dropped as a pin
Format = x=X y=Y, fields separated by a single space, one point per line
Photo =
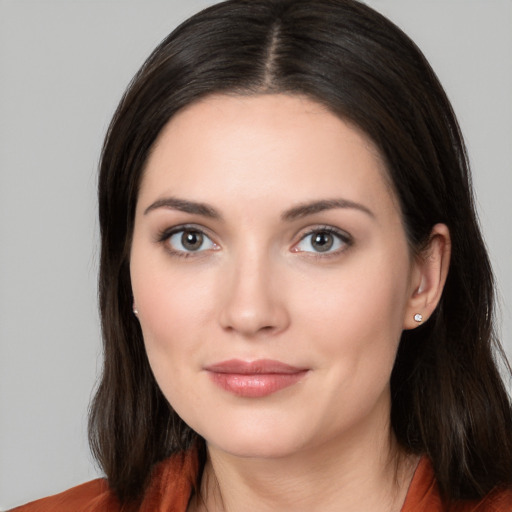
x=345 y=238
x=164 y=235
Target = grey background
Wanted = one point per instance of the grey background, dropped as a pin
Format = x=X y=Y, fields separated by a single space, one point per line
x=63 y=67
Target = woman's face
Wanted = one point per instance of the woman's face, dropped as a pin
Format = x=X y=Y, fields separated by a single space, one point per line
x=271 y=274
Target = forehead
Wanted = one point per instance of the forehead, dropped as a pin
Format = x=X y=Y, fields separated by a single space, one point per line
x=247 y=148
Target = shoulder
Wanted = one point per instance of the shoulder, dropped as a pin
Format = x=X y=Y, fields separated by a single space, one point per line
x=170 y=486
x=424 y=496
x=88 y=497
x=496 y=501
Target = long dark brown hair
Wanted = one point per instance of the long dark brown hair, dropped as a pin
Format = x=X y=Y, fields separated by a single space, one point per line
x=448 y=399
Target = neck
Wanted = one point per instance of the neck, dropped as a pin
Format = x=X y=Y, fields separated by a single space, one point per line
x=353 y=474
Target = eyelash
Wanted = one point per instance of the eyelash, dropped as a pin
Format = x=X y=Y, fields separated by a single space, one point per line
x=344 y=238
x=165 y=235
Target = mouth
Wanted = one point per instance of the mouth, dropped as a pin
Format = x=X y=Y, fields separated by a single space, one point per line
x=254 y=379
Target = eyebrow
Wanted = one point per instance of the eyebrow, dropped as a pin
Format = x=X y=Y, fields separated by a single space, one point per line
x=182 y=205
x=305 y=209
x=297 y=212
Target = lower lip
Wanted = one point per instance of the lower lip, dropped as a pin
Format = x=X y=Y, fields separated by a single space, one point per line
x=255 y=385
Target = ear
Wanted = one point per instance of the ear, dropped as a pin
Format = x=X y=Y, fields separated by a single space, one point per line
x=428 y=276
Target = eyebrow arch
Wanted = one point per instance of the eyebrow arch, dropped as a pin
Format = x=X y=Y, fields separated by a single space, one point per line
x=173 y=203
x=305 y=209
x=297 y=212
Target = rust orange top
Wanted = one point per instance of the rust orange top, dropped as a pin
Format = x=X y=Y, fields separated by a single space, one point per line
x=171 y=486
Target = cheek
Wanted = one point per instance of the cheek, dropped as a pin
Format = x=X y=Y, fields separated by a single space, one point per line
x=356 y=317
x=361 y=296
x=175 y=309
x=172 y=311
x=171 y=306
x=170 y=298
x=165 y=321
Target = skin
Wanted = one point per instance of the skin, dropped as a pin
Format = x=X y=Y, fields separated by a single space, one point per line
x=259 y=289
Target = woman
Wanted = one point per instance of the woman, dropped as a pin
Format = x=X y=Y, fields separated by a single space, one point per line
x=297 y=304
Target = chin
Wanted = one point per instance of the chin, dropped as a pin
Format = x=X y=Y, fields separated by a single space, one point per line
x=256 y=439
x=256 y=448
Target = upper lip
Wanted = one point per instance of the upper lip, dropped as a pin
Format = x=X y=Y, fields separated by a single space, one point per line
x=260 y=366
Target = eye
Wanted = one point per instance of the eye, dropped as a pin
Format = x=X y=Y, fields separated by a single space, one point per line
x=324 y=240
x=189 y=240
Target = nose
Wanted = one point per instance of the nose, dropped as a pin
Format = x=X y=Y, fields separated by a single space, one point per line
x=253 y=301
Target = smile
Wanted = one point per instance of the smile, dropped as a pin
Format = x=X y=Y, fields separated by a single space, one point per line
x=254 y=379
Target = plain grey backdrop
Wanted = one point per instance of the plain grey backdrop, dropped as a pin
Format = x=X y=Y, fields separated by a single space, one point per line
x=63 y=67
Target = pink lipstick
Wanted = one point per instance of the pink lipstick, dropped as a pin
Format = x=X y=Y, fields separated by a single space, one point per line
x=254 y=379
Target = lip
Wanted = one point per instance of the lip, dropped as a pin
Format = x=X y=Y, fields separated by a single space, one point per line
x=254 y=379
